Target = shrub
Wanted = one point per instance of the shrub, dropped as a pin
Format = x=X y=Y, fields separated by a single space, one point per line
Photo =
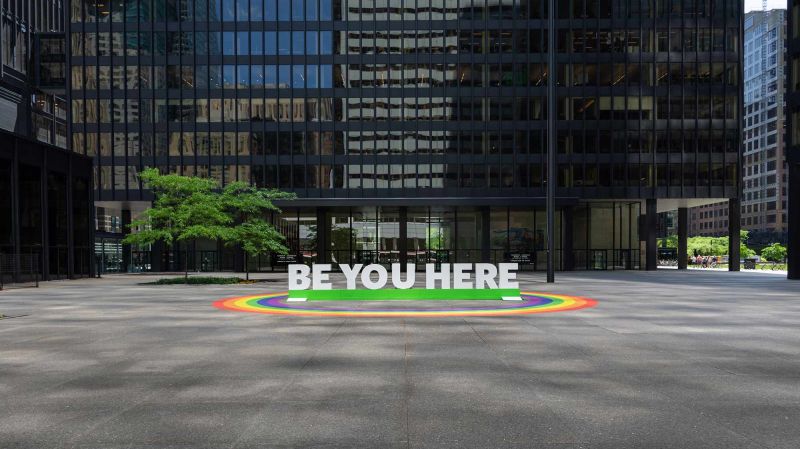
x=197 y=280
x=774 y=253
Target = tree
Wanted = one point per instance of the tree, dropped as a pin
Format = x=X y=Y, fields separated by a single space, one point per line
x=246 y=206
x=670 y=241
x=184 y=208
x=774 y=253
x=744 y=251
x=710 y=246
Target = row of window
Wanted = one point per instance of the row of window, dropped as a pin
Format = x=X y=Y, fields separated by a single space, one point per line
x=410 y=75
x=463 y=41
x=414 y=176
x=408 y=143
x=325 y=109
x=299 y=10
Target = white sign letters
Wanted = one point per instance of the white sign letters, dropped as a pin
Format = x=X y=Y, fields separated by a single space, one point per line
x=375 y=276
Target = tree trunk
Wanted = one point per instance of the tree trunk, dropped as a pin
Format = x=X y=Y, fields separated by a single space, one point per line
x=186 y=264
x=246 y=268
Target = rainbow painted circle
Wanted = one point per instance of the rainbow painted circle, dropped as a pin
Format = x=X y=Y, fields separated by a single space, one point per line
x=532 y=302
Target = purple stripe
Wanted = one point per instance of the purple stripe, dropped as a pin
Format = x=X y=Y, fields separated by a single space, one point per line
x=527 y=302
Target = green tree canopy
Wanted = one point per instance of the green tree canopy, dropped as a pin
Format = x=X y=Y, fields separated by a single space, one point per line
x=709 y=246
x=184 y=208
x=247 y=206
x=774 y=253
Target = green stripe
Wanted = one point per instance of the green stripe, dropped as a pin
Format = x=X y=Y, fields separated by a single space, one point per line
x=408 y=294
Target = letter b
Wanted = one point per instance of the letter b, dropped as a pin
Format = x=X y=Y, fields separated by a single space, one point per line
x=298 y=277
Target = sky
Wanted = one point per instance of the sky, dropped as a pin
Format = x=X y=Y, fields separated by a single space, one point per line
x=750 y=5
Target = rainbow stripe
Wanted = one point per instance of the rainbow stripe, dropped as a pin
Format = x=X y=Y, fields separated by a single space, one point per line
x=532 y=302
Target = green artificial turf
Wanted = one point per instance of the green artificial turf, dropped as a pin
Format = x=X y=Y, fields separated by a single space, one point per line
x=399 y=295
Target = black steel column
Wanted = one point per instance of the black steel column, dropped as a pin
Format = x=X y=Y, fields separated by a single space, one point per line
x=651 y=229
x=70 y=223
x=794 y=216
x=568 y=256
x=177 y=257
x=126 y=249
x=157 y=256
x=45 y=222
x=402 y=243
x=322 y=236
x=94 y=270
x=552 y=73
x=734 y=237
x=15 y=210
x=683 y=237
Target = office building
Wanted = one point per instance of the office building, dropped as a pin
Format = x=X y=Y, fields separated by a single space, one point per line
x=46 y=195
x=415 y=131
x=793 y=137
x=33 y=70
x=764 y=196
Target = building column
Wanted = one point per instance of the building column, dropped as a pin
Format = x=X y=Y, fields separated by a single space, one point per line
x=734 y=238
x=793 y=216
x=402 y=246
x=44 y=222
x=238 y=259
x=157 y=256
x=568 y=255
x=15 y=211
x=177 y=257
x=126 y=249
x=70 y=223
x=650 y=234
x=323 y=232
x=683 y=238
x=486 y=241
x=94 y=270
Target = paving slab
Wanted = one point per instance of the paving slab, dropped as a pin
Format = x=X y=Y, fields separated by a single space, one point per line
x=667 y=359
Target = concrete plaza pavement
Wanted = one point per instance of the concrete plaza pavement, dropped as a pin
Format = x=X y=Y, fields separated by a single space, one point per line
x=667 y=359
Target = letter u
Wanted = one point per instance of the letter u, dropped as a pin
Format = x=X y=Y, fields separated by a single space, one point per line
x=411 y=276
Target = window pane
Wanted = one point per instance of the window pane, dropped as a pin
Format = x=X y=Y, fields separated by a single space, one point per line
x=228 y=43
x=228 y=10
x=256 y=43
x=298 y=42
x=284 y=42
x=242 y=43
x=298 y=77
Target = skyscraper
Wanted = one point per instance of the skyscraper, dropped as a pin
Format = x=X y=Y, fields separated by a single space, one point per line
x=32 y=70
x=416 y=130
x=45 y=191
x=793 y=137
x=765 y=178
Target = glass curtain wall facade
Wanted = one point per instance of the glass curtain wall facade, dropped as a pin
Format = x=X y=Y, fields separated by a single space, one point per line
x=349 y=103
x=793 y=137
x=45 y=211
x=32 y=69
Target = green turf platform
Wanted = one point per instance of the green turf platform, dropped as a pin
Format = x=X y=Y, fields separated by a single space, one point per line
x=403 y=295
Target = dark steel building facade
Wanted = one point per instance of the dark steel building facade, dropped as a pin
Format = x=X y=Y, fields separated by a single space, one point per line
x=416 y=131
x=46 y=202
x=793 y=136
x=33 y=70
x=46 y=195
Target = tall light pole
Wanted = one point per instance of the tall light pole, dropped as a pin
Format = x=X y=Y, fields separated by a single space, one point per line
x=551 y=138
